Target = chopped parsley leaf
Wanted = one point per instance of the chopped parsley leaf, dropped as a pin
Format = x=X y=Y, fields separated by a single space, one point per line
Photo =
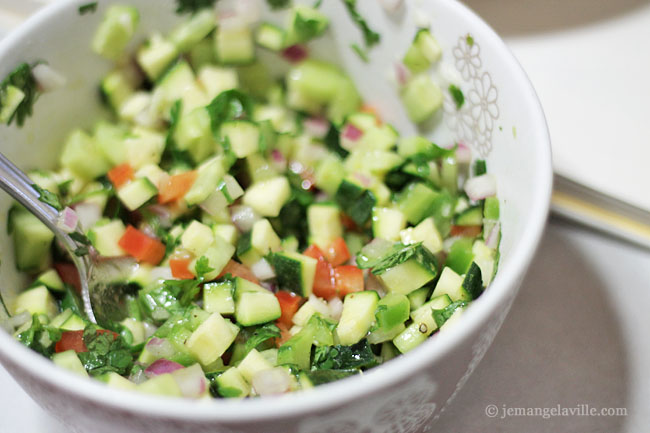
x=87 y=8
x=21 y=78
x=48 y=197
x=202 y=267
x=191 y=6
x=278 y=4
x=458 y=96
x=369 y=36
x=360 y=52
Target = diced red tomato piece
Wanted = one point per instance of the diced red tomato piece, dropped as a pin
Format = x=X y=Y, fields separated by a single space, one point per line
x=141 y=246
x=337 y=252
x=181 y=268
x=289 y=304
x=466 y=231
x=349 y=279
x=71 y=340
x=176 y=187
x=236 y=269
x=120 y=174
x=324 y=284
x=69 y=274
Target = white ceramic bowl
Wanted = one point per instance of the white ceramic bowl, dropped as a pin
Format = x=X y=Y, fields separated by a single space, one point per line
x=501 y=120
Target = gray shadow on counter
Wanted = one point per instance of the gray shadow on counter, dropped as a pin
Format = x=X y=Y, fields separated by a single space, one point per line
x=561 y=344
x=523 y=17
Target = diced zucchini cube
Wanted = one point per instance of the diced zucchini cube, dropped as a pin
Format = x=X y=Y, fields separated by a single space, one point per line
x=70 y=361
x=216 y=79
x=51 y=280
x=114 y=380
x=357 y=317
x=219 y=298
x=136 y=193
x=422 y=98
x=193 y=133
x=197 y=237
x=254 y=304
x=451 y=284
x=155 y=56
x=252 y=364
x=115 y=31
x=82 y=156
x=211 y=339
x=268 y=197
x=144 y=146
x=208 y=176
x=425 y=232
x=227 y=232
x=387 y=223
x=10 y=99
x=231 y=384
x=295 y=272
x=408 y=276
x=324 y=221
x=243 y=137
x=263 y=237
x=191 y=32
x=164 y=384
x=218 y=254
x=270 y=37
x=234 y=46
x=37 y=300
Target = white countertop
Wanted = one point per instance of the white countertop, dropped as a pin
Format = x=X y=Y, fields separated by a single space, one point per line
x=576 y=334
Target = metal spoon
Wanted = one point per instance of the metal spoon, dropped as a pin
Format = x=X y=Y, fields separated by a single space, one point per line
x=101 y=290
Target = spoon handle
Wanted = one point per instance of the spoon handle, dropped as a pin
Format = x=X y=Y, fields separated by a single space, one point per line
x=16 y=183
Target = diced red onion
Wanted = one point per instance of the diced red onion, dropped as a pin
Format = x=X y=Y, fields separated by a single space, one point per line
x=191 y=381
x=88 y=213
x=160 y=348
x=391 y=5
x=138 y=377
x=316 y=126
x=48 y=79
x=278 y=161
x=295 y=53
x=263 y=270
x=480 y=187
x=161 y=366
x=492 y=239
x=272 y=381
x=243 y=217
x=163 y=213
x=365 y=180
x=463 y=154
x=402 y=73
x=336 y=307
x=67 y=220
x=350 y=136
x=269 y=286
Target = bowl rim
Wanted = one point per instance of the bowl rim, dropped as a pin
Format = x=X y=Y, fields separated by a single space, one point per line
x=338 y=393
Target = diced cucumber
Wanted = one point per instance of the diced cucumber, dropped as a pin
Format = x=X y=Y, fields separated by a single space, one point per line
x=451 y=284
x=227 y=232
x=136 y=327
x=114 y=380
x=216 y=79
x=263 y=237
x=422 y=98
x=152 y=172
x=313 y=84
x=423 y=52
x=449 y=174
x=452 y=319
x=485 y=258
x=290 y=243
x=243 y=136
x=295 y=272
x=117 y=87
x=193 y=133
x=219 y=298
x=408 y=276
x=51 y=280
x=211 y=339
x=234 y=46
x=347 y=100
x=110 y=141
x=115 y=31
x=231 y=384
x=324 y=221
x=259 y=168
x=155 y=56
x=82 y=156
x=436 y=303
x=425 y=232
x=70 y=361
x=105 y=238
x=32 y=241
x=10 y=99
x=460 y=255
x=422 y=326
x=218 y=254
x=415 y=202
x=252 y=364
x=297 y=350
x=329 y=174
x=308 y=309
x=179 y=83
x=254 y=304
x=245 y=251
x=186 y=35
x=197 y=237
x=37 y=300
x=73 y=323
x=387 y=223
x=472 y=216
x=270 y=37
x=392 y=310
x=268 y=197
x=409 y=146
x=357 y=317
x=375 y=162
x=381 y=137
x=202 y=54
x=418 y=297
x=491 y=208
x=379 y=335
x=136 y=193
x=164 y=384
x=305 y=24
x=355 y=201
x=209 y=174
